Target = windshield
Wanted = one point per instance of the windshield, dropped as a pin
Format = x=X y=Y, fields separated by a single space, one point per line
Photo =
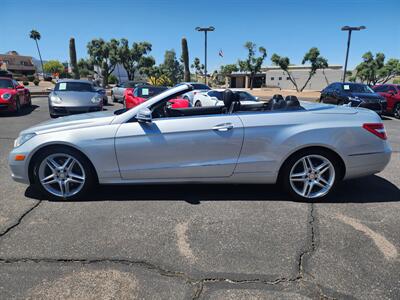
x=357 y=88
x=199 y=86
x=6 y=84
x=148 y=92
x=73 y=87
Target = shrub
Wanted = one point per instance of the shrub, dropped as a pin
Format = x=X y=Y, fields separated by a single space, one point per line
x=25 y=82
x=112 y=79
x=31 y=78
x=48 y=78
x=36 y=81
x=396 y=81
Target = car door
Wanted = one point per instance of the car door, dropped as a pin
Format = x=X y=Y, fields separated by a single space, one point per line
x=180 y=147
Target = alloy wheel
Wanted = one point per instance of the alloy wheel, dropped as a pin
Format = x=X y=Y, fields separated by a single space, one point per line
x=396 y=111
x=61 y=175
x=312 y=176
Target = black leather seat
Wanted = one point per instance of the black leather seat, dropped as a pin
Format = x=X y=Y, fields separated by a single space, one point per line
x=277 y=104
x=231 y=101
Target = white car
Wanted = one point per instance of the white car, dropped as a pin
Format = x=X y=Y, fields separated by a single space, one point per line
x=197 y=88
x=214 y=98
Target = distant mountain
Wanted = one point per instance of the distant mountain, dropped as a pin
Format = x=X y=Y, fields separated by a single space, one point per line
x=37 y=64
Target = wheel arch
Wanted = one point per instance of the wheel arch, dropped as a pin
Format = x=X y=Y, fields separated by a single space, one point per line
x=56 y=145
x=339 y=159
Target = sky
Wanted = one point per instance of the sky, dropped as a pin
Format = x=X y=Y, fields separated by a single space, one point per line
x=286 y=27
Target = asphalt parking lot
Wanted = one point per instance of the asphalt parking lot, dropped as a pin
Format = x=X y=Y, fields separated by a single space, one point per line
x=199 y=241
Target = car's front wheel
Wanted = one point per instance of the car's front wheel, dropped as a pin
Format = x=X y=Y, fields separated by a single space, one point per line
x=310 y=175
x=62 y=173
x=197 y=104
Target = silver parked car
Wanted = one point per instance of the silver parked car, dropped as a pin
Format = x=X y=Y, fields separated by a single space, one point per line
x=117 y=92
x=308 y=147
x=74 y=96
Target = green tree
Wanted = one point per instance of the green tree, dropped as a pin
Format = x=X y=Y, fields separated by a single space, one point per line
x=252 y=63
x=133 y=59
x=374 y=70
x=185 y=60
x=198 y=67
x=104 y=55
x=85 y=67
x=35 y=35
x=53 y=66
x=171 y=67
x=317 y=62
x=284 y=63
x=228 y=69
x=72 y=56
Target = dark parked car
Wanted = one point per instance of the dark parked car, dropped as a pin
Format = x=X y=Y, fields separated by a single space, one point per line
x=392 y=94
x=353 y=94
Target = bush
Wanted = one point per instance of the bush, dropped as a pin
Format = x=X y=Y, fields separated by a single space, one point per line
x=48 y=78
x=396 y=81
x=36 y=81
x=112 y=79
x=26 y=83
x=31 y=78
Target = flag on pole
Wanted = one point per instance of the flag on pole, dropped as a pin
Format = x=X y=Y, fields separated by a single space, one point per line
x=220 y=53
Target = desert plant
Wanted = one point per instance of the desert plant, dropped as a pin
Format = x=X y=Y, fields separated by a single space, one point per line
x=112 y=79
x=185 y=59
x=252 y=64
x=26 y=83
x=317 y=62
x=36 y=81
x=72 y=57
x=284 y=63
x=31 y=78
x=53 y=67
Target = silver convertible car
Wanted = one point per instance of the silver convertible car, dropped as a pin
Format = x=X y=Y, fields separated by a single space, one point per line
x=308 y=147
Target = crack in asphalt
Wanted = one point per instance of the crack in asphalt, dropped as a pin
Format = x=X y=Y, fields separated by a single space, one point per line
x=15 y=224
x=197 y=283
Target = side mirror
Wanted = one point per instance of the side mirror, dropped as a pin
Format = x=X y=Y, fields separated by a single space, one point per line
x=144 y=116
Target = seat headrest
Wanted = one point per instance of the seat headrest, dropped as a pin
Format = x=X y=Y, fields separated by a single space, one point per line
x=292 y=102
x=277 y=96
x=277 y=104
x=229 y=97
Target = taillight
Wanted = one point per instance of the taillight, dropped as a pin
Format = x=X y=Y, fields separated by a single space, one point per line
x=376 y=128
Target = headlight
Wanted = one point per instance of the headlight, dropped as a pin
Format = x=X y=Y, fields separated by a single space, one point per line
x=22 y=139
x=6 y=96
x=55 y=99
x=96 y=99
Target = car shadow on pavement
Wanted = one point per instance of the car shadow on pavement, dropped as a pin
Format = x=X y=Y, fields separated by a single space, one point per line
x=364 y=190
x=24 y=111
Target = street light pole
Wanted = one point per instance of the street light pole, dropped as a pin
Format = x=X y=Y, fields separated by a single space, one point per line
x=205 y=29
x=349 y=29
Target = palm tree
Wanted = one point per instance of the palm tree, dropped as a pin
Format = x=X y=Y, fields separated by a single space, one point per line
x=35 y=35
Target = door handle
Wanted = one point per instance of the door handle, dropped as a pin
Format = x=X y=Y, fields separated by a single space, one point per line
x=223 y=127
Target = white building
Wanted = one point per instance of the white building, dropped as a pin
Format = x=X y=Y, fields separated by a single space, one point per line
x=273 y=76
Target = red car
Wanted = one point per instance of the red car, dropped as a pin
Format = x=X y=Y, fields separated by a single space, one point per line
x=392 y=94
x=13 y=95
x=133 y=97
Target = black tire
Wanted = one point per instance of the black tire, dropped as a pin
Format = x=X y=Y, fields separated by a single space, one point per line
x=284 y=176
x=396 y=111
x=90 y=173
x=30 y=101
x=197 y=104
x=18 y=107
x=113 y=98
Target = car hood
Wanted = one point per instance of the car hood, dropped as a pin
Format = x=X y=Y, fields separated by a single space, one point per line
x=72 y=122
x=76 y=98
x=9 y=91
x=367 y=96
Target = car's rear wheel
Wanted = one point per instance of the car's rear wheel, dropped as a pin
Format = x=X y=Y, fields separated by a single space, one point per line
x=62 y=173
x=197 y=104
x=396 y=111
x=310 y=175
